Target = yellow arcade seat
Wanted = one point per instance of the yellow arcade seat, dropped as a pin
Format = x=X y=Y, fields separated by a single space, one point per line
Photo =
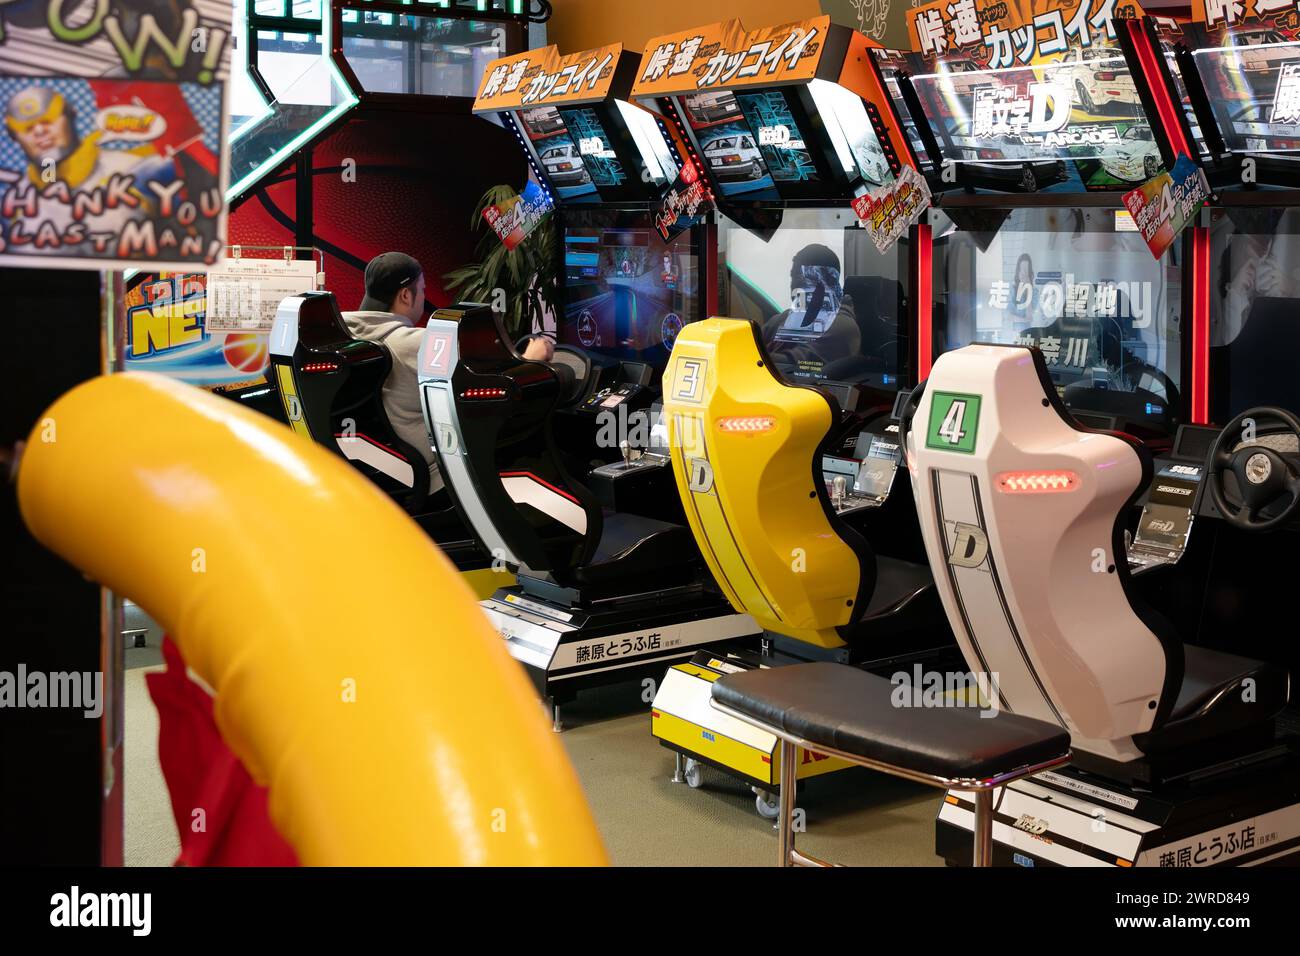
x=423 y=745
x=747 y=455
x=746 y=452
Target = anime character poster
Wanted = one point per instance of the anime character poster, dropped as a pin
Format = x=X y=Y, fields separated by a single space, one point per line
x=112 y=134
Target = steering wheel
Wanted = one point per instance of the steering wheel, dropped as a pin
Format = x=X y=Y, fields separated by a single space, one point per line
x=1263 y=476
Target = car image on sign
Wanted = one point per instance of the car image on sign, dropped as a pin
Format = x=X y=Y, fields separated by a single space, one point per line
x=564 y=165
x=734 y=157
x=1136 y=159
x=1098 y=82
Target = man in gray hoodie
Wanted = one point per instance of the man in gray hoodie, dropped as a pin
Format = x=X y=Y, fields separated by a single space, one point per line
x=393 y=304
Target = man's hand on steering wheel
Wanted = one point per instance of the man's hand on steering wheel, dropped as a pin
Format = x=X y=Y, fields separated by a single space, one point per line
x=1264 y=477
x=537 y=348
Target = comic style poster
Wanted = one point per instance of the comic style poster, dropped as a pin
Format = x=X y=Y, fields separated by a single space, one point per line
x=112 y=151
x=1041 y=82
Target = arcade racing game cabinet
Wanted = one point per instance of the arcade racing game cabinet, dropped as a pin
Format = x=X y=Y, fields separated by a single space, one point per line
x=1178 y=757
x=791 y=124
x=1249 y=275
x=1055 y=263
x=1156 y=647
x=610 y=586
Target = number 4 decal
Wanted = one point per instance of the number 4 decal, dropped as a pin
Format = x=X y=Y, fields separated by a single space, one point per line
x=954 y=422
x=950 y=430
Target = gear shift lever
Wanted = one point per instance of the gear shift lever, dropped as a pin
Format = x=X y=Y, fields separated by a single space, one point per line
x=839 y=490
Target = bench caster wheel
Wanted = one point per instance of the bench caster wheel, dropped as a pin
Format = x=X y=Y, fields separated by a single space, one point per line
x=693 y=774
x=767 y=803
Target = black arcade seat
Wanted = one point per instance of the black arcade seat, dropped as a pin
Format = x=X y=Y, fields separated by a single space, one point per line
x=898 y=583
x=513 y=476
x=330 y=385
x=1221 y=695
x=850 y=710
x=631 y=544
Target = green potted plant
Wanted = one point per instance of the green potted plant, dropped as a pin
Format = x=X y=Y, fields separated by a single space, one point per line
x=525 y=275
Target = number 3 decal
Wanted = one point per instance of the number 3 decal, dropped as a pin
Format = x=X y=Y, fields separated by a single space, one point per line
x=690 y=380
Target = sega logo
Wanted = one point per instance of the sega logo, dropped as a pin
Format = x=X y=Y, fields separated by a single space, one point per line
x=708 y=736
x=1021 y=860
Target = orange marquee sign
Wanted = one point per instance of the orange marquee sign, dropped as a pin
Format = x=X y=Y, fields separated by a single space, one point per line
x=1014 y=30
x=543 y=77
x=1220 y=14
x=725 y=55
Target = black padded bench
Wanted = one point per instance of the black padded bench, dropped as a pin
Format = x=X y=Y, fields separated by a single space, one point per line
x=839 y=710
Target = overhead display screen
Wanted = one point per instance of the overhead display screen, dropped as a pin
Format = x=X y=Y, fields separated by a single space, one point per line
x=729 y=146
x=780 y=139
x=1076 y=122
x=758 y=146
x=574 y=149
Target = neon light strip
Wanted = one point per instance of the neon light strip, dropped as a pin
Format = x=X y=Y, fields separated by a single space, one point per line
x=1200 y=325
x=1154 y=77
x=923 y=295
x=348 y=101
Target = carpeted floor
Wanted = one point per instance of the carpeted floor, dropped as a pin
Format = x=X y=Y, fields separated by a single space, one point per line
x=854 y=817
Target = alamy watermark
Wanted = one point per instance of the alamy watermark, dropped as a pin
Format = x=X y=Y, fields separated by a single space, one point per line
x=922 y=688
x=71 y=690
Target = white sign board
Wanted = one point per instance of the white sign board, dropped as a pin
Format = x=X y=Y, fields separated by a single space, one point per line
x=243 y=294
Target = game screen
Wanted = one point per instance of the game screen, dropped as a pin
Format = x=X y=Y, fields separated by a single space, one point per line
x=574 y=149
x=1077 y=120
x=1080 y=285
x=1254 y=310
x=627 y=292
x=829 y=305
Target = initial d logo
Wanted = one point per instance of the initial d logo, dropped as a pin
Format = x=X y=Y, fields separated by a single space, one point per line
x=448 y=444
x=970 y=546
x=293 y=408
x=701 y=480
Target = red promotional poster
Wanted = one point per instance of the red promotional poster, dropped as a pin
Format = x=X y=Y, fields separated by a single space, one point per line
x=1166 y=205
x=887 y=212
x=687 y=200
x=514 y=220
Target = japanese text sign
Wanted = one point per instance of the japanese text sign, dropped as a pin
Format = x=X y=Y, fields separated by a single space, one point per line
x=112 y=148
x=888 y=211
x=543 y=77
x=725 y=55
x=1163 y=207
x=1007 y=30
